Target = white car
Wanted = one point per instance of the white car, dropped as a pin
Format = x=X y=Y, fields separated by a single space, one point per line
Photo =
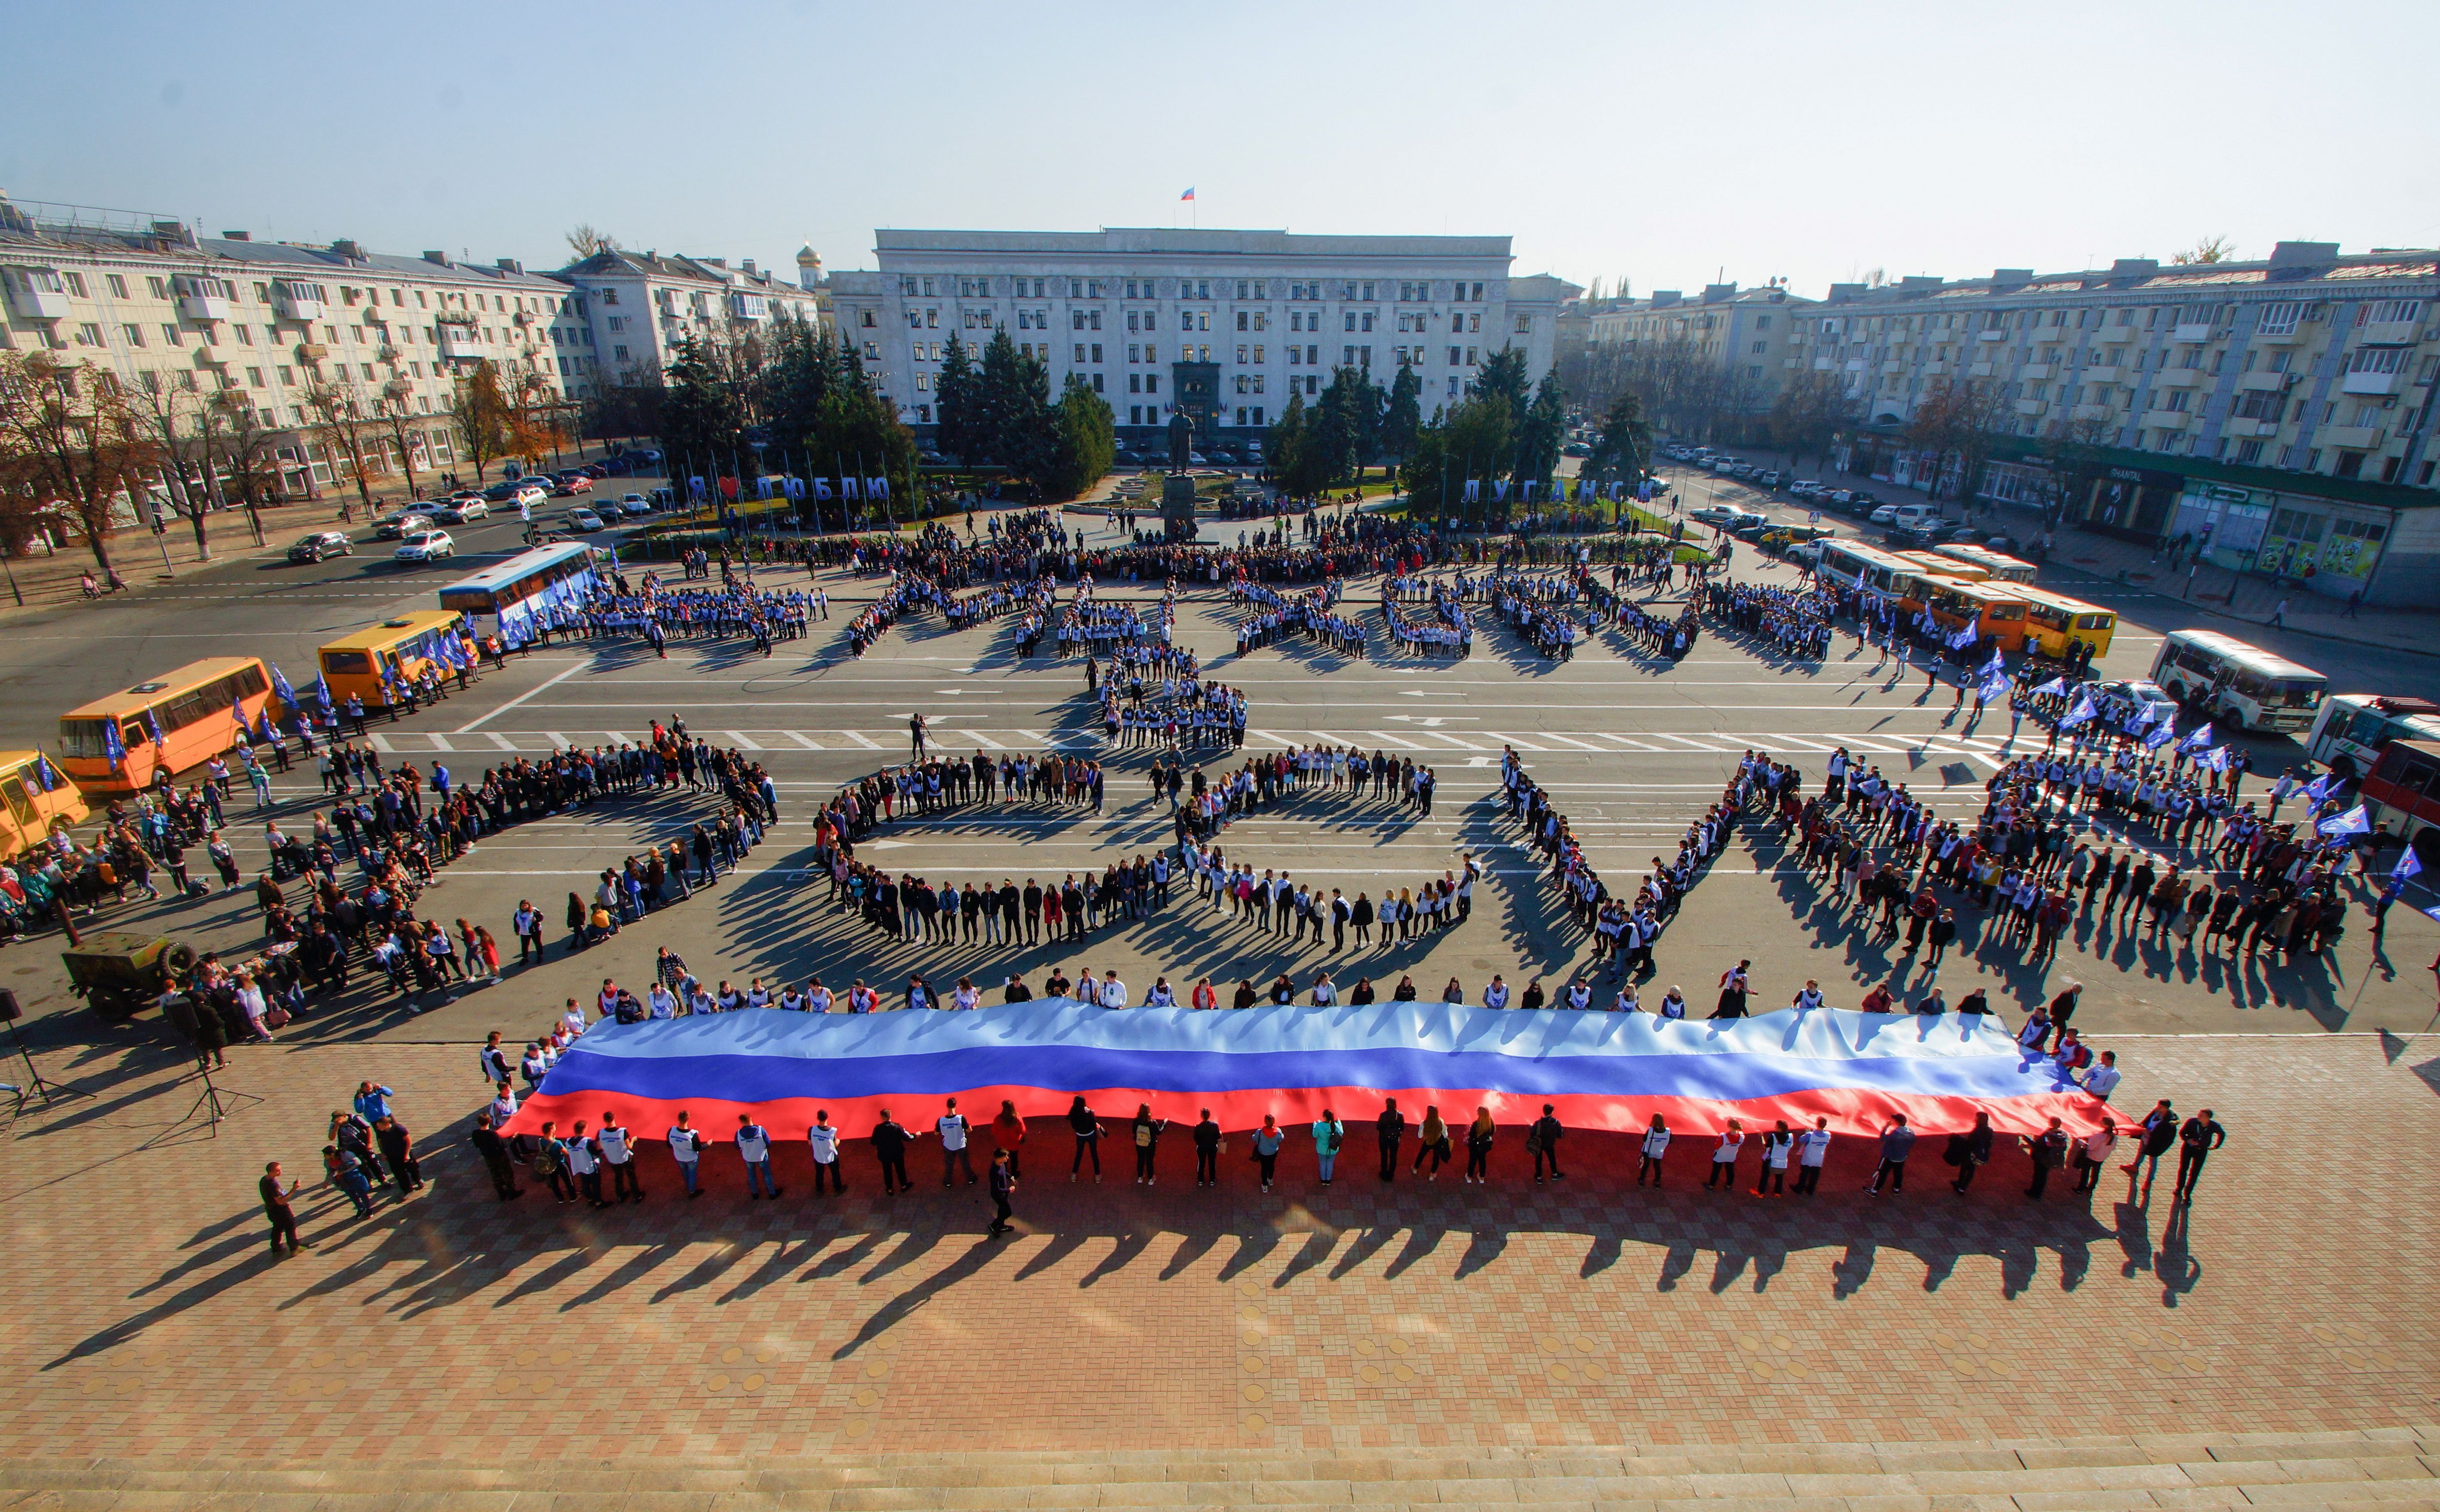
x=465 y=510
x=583 y=520
x=1885 y=514
x=1720 y=514
x=425 y=545
x=2125 y=696
x=634 y=504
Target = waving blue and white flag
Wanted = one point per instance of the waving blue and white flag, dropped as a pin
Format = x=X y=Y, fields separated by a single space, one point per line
x=2143 y=716
x=322 y=691
x=1994 y=687
x=279 y=686
x=2082 y=712
x=2196 y=741
x=2214 y=760
x=112 y=746
x=2318 y=788
x=1998 y=663
x=2057 y=685
x=1962 y=638
x=2351 y=822
x=2408 y=865
x=2162 y=734
x=48 y=776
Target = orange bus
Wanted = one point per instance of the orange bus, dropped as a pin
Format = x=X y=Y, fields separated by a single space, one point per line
x=190 y=710
x=406 y=647
x=28 y=811
x=1994 y=609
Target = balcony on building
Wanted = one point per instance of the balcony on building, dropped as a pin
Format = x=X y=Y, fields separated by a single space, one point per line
x=1892 y=367
x=2261 y=383
x=1990 y=335
x=2034 y=372
x=750 y=306
x=2239 y=426
x=201 y=298
x=2389 y=333
x=1979 y=370
x=2178 y=378
x=2167 y=419
x=2369 y=382
x=2352 y=438
x=311 y=351
x=460 y=340
x=2089 y=412
x=36 y=294
x=298 y=301
x=2031 y=407
x=2191 y=331
x=2104 y=374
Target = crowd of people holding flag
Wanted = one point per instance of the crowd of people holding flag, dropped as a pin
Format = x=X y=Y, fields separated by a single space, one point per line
x=1312 y=613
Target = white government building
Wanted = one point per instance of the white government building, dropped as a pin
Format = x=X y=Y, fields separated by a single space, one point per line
x=1224 y=325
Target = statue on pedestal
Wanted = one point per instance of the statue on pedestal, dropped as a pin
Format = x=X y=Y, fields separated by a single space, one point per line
x=1182 y=440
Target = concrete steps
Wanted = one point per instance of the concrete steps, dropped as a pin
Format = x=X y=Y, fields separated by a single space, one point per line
x=2389 y=1468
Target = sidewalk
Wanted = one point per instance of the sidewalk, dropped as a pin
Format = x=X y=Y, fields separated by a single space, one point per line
x=2204 y=592
x=47 y=581
x=2080 y=554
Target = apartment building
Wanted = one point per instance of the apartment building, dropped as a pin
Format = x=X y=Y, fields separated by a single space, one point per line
x=1742 y=337
x=1224 y=325
x=166 y=312
x=643 y=305
x=2278 y=413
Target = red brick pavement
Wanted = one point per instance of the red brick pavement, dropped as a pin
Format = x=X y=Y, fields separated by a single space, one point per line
x=144 y=1317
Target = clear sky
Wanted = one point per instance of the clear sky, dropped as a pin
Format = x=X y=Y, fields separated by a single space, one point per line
x=1667 y=144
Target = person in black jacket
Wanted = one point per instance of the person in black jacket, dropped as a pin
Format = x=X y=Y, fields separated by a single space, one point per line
x=1544 y=1139
x=1392 y=1129
x=1206 y=1151
x=1087 y=1126
x=2160 y=1131
x=1003 y=1187
x=1970 y=1152
x=889 y=1142
x=2049 y=1152
x=2202 y=1135
x=495 y=1151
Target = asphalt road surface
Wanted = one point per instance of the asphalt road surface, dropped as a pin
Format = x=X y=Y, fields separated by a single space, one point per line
x=1633 y=746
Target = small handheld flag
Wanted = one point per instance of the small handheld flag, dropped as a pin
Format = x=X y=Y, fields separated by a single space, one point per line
x=152 y=723
x=2056 y=686
x=322 y=691
x=2162 y=735
x=1188 y=195
x=44 y=774
x=2408 y=865
x=2083 y=711
x=112 y=746
x=2196 y=741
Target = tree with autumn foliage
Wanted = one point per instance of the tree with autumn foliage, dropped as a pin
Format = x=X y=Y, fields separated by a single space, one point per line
x=71 y=439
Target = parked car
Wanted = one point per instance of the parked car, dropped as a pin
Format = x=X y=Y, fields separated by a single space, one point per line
x=1840 y=496
x=583 y=520
x=1769 y=478
x=1714 y=514
x=398 y=524
x=425 y=545
x=571 y=486
x=596 y=470
x=631 y=504
x=462 y=510
x=1575 y=449
x=321 y=544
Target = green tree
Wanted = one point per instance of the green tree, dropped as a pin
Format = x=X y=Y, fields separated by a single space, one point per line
x=1503 y=376
x=703 y=419
x=1403 y=419
x=800 y=367
x=1016 y=410
x=1083 y=439
x=1539 y=432
x=1810 y=412
x=858 y=432
x=1624 y=451
x=957 y=399
x=1475 y=441
x=1286 y=445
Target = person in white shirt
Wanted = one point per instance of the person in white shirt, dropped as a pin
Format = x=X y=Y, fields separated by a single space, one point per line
x=1812 y=1148
x=1326 y=992
x=952 y=1127
x=1626 y=1002
x=1496 y=994
x=573 y=1020
x=685 y=1146
x=620 y=1154
x=1656 y=1145
x=817 y=998
x=824 y=1141
x=2092 y=1153
x=662 y=1003
x=1724 y=1155
x=1580 y=996
x=1775 y=1148
x=1113 y=992
x=1161 y=996
x=754 y=1148
x=791 y=1000
x=1809 y=999
x=2103 y=1079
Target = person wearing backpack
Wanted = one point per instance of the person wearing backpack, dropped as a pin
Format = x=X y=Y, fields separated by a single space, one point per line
x=1146 y=1134
x=1479 y=1136
x=550 y=1165
x=1267 y=1140
x=1328 y=1135
x=1542 y=1140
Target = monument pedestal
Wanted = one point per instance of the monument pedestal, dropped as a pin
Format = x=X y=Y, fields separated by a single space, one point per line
x=1178 y=506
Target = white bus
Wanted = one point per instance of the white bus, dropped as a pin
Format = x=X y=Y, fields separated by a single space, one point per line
x=2227 y=679
x=544 y=579
x=2353 y=728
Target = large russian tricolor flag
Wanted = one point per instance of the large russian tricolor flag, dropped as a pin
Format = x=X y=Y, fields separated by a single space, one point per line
x=1600 y=1070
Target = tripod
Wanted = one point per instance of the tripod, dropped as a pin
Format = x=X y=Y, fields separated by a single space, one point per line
x=211 y=1104
x=38 y=1084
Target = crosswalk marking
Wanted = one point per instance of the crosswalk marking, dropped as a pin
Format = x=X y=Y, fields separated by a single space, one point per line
x=801 y=740
x=738 y=738
x=1383 y=736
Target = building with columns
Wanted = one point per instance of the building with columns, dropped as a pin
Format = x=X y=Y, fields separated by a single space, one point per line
x=1142 y=314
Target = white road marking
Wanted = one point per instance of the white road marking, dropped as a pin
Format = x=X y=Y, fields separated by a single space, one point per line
x=481 y=720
